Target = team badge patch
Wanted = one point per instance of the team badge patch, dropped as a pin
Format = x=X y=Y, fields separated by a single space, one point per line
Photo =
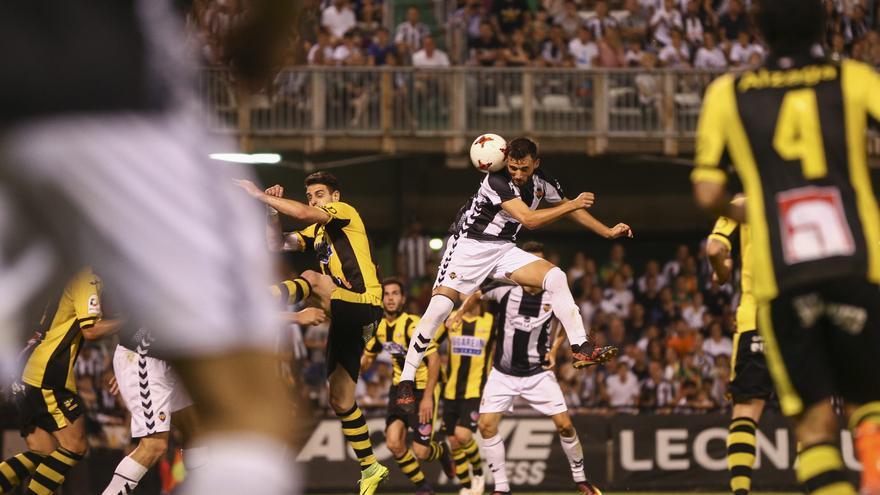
x=546 y=308
x=94 y=305
x=452 y=275
x=425 y=430
x=162 y=416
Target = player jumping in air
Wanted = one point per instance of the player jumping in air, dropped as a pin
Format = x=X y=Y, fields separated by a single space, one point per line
x=482 y=247
x=337 y=235
x=525 y=356
x=795 y=132
x=750 y=382
x=393 y=335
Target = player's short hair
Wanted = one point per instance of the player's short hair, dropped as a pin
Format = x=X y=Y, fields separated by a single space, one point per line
x=394 y=281
x=790 y=26
x=533 y=247
x=325 y=178
x=522 y=147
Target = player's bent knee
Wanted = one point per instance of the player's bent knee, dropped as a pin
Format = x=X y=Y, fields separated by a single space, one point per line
x=154 y=447
x=488 y=428
x=76 y=445
x=421 y=452
x=566 y=430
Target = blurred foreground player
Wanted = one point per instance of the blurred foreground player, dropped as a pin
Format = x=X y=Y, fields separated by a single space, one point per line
x=110 y=168
x=337 y=235
x=795 y=131
x=525 y=355
x=50 y=410
x=393 y=335
x=750 y=382
x=483 y=247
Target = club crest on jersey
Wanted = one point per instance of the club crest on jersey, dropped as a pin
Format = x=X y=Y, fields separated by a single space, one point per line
x=452 y=275
x=546 y=307
x=162 y=416
x=425 y=429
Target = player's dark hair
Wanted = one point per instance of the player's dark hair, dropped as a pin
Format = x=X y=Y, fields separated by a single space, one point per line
x=522 y=147
x=325 y=178
x=394 y=281
x=790 y=26
x=533 y=247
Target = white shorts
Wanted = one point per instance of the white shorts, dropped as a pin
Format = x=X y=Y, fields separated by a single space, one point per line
x=150 y=390
x=178 y=245
x=468 y=262
x=541 y=391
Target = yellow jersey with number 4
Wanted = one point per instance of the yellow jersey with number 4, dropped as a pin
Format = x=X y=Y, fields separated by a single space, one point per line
x=795 y=133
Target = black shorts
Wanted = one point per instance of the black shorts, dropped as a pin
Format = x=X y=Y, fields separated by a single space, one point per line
x=749 y=378
x=50 y=410
x=822 y=340
x=461 y=412
x=351 y=326
x=423 y=433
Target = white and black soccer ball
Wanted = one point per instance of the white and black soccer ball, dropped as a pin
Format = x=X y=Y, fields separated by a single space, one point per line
x=488 y=152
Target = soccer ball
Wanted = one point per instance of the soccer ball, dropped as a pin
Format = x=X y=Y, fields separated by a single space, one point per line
x=488 y=152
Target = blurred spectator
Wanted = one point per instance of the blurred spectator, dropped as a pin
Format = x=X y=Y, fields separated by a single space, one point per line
x=682 y=341
x=634 y=27
x=710 y=56
x=380 y=48
x=742 y=51
x=676 y=54
x=430 y=56
x=616 y=259
x=601 y=22
x=413 y=249
x=617 y=297
x=321 y=52
x=517 y=54
x=622 y=388
x=693 y=24
x=649 y=90
x=591 y=304
x=569 y=20
x=338 y=18
x=717 y=344
x=583 y=48
x=410 y=32
x=464 y=25
x=733 y=22
x=611 y=51
x=634 y=53
x=578 y=267
x=369 y=17
x=486 y=49
x=656 y=392
x=349 y=52
x=855 y=25
x=673 y=267
x=555 y=49
x=509 y=15
x=694 y=310
x=666 y=20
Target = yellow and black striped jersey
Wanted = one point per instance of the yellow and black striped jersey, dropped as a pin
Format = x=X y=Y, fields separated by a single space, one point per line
x=343 y=251
x=50 y=364
x=394 y=337
x=471 y=345
x=795 y=133
x=746 y=312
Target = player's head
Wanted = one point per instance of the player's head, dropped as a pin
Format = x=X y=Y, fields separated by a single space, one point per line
x=321 y=188
x=534 y=247
x=393 y=296
x=522 y=159
x=791 y=26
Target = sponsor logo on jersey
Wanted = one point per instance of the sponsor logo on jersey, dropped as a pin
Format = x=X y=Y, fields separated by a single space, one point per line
x=69 y=404
x=467 y=346
x=394 y=348
x=94 y=307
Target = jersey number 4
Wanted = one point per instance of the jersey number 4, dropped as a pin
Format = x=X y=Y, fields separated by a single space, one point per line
x=798 y=133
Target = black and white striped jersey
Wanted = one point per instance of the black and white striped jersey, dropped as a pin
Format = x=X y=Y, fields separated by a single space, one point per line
x=522 y=328
x=482 y=217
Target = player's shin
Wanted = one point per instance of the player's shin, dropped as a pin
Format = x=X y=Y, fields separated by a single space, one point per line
x=438 y=310
x=461 y=467
x=575 y=454
x=494 y=449
x=16 y=469
x=564 y=307
x=741 y=451
x=865 y=425
x=821 y=470
x=126 y=477
x=50 y=473
x=473 y=453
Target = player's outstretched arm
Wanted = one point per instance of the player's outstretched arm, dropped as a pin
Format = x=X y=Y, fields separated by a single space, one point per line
x=102 y=329
x=466 y=305
x=584 y=218
x=289 y=207
x=538 y=218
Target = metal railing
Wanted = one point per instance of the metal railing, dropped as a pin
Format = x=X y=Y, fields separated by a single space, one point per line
x=447 y=102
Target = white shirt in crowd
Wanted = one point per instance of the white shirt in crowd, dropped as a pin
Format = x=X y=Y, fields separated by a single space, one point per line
x=740 y=55
x=411 y=34
x=437 y=59
x=338 y=21
x=663 y=22
x=723 y=346
x=622 y=392
x=710 y=59
x=693 y=30
x=584 y=53
x=313 y=53
x=341 y=54
x=617 y=302
x=675 y=57
x=693 y=316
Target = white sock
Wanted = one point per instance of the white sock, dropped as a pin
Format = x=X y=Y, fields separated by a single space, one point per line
x=564 y=308
x=493 y=451
x=195 y=457
x=127 y=476
x=575 y=453
x=437 y=312
x=240 y=460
